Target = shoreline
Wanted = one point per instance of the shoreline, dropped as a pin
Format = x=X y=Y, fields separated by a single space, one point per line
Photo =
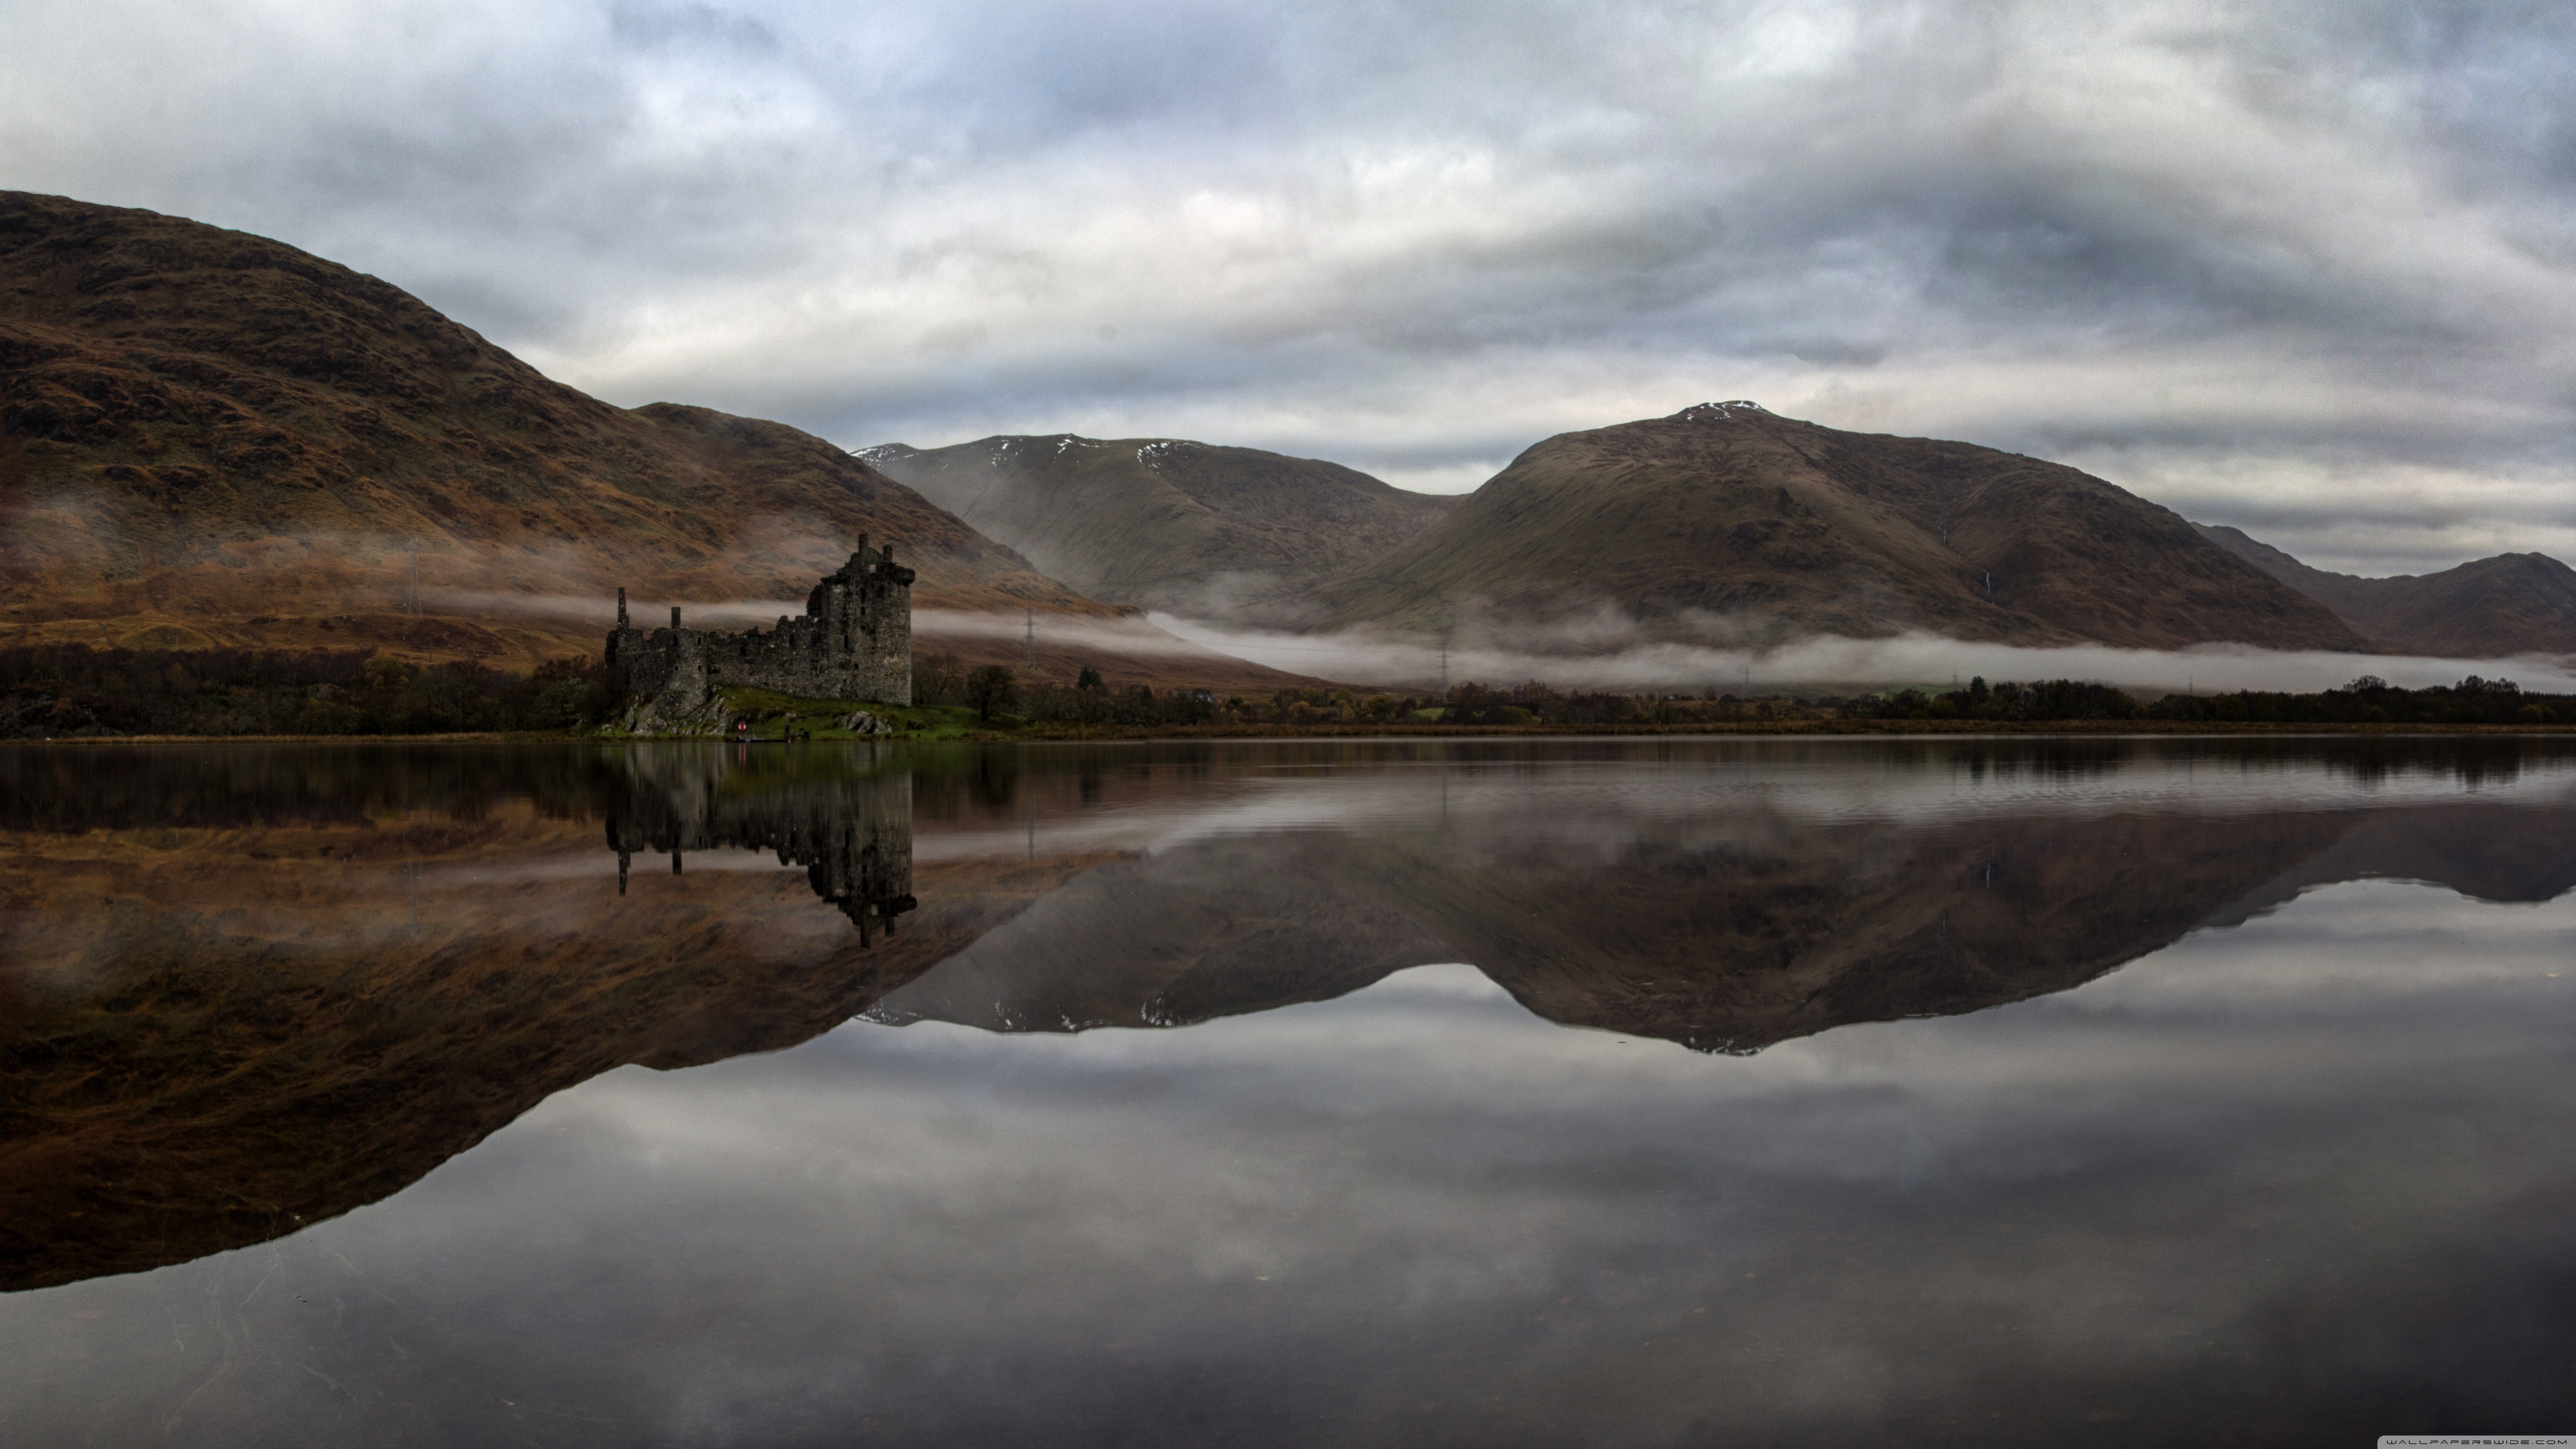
x=1063 y=733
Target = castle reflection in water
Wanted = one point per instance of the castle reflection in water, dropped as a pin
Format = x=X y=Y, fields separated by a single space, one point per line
x=852 y=836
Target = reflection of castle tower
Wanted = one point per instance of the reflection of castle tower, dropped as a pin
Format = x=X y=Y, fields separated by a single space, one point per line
x=853 y=836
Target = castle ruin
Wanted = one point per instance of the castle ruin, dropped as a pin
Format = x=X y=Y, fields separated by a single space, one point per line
x=854 y=642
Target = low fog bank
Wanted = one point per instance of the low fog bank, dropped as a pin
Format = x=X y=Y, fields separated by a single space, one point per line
x=1056 y=630
x=1132 y=636
x=601 y=609
x=1828 y=661
x=1590 y=654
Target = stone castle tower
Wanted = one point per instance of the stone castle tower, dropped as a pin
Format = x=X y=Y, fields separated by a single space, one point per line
x=854 y=642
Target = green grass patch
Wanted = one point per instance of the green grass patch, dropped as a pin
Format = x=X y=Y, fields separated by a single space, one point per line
x=772 y=714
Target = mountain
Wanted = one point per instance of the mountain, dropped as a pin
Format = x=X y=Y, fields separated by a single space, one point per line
x=210 y=438
x=1725 y=521
x=1165 y=523
x=2513 y=603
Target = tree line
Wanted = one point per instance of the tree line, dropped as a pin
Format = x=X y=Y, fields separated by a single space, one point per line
x=998 y=695
x=70 y=691
x=59 y=691
x=2366 y=700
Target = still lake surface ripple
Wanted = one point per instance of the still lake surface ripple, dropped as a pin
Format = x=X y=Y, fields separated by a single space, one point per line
x=1546 y=1092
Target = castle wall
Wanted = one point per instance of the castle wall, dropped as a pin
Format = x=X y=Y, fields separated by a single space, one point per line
x=853 y=642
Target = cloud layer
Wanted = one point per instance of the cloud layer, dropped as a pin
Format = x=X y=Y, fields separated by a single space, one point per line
x=1600 y=653
x=2309 y=270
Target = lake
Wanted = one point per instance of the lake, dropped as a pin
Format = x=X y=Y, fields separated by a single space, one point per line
x=1428 y=1092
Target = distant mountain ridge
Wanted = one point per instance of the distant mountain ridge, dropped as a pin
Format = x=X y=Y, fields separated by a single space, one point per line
x=2489 y=608
x=1166 y=523
x=1727 y=522
x=1724 y=524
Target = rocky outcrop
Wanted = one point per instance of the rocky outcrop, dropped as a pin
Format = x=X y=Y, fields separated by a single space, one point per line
x=695 y=711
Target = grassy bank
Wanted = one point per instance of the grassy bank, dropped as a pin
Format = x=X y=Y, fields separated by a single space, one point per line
x=772 y=716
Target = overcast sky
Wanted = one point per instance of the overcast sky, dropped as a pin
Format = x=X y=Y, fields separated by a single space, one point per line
x=2309 y=269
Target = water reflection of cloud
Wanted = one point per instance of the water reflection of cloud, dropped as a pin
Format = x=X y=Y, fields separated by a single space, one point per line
x=2170 y=1192
x=1719 y=786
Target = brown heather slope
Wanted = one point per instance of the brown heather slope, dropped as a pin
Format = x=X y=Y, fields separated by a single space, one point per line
x=2513 y=603
x=1725 y=521
x=212 y=439
x=1165 y=523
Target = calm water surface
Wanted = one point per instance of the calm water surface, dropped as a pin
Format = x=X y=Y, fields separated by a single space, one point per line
x=1478 y=1093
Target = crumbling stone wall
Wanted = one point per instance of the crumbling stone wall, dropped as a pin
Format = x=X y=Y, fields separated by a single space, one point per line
x=854 y=642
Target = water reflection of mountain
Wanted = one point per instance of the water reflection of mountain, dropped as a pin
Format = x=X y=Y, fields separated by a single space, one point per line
x=1725 y=934
x=236 y=1001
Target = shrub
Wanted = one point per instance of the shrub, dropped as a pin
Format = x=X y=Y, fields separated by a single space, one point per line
x=992 y=689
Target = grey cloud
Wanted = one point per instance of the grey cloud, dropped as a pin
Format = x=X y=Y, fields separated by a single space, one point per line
x=691 y=25
x=1031 y=75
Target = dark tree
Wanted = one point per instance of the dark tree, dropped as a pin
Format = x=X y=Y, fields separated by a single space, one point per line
x=992 y=689
x=935 y=679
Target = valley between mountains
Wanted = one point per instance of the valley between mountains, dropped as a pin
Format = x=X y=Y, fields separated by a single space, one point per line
x=210 y=439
